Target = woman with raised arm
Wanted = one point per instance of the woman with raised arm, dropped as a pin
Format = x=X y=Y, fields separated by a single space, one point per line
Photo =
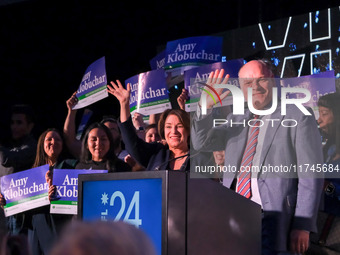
x=173 y=126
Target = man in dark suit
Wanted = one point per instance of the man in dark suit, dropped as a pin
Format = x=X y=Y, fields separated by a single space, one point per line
x=283 y=150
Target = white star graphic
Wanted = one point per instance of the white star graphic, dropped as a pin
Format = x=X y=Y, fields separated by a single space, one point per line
x=104 y=198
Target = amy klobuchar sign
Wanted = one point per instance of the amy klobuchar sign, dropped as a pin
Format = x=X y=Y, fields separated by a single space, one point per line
x=158 y=61
x=93 y=85
x=66 y=181
x=25 y=190
x=149 y=93
x=193 y=51
x=318 y=85
x=195 y=78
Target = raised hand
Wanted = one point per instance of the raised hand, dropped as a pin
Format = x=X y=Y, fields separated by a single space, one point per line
x=117 y=89
x=215 y=78
x=123 y=96
x=183 y=97
x=72 y=101
x=137 y=120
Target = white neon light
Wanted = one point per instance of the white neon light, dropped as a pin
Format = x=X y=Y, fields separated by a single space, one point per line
x=311 y=28
x=302 y=56
x=277 y=46
x=319 y=53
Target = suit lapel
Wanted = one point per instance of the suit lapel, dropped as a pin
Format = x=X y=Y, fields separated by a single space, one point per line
x=270 y=133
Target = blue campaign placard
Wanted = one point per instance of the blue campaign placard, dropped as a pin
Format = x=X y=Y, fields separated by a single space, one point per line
x=201 y=74
x=25 y=190
x=195 y=78
x=94 y=77
x=317 y=84
x=158 y=61
x=83 y=123
x=24 y=184
x=193 y=51
x=66 y=181
x=149 y=93
x=93 y=85
x=134 y=89
x=136 y=201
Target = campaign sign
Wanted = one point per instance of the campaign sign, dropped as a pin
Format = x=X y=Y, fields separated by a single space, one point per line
x=135 y=201
x=318 y=85
x=84 y=120
x=25 y=190
x=134 y=87
x=193 y=51
x=158 y=61
x=66 y=180
x=149 y=93
x=196 y=78
x=93 y=85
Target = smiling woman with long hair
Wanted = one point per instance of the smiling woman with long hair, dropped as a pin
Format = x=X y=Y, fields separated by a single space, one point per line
x=98 y=151
x=45 y=226
x=50 y=148
x=173 y=127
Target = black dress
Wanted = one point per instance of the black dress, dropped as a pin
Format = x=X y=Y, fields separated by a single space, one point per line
x=117 y=165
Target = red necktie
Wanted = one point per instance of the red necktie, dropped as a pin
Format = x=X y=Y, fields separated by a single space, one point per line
x=243 y=180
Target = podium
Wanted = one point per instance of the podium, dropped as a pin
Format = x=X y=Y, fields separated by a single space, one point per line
x=181 y=215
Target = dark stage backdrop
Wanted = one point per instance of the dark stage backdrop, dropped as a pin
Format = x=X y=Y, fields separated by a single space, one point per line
x=45 y=48
x=299 y=45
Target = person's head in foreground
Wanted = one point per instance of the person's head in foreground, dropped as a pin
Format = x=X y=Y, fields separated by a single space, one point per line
x=103 y=238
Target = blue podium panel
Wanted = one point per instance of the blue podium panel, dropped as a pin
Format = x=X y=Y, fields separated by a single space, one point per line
x=112 y=197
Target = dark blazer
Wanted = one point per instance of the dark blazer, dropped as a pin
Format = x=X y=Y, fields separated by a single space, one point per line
x=118 y=166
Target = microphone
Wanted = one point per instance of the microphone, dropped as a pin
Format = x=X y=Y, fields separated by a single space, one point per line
x=183 y=165
x=173 y=159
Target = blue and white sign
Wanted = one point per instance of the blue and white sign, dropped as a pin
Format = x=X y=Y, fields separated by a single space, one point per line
x=318 y=85
x=93 y=85
x=195 y=78
x=25 y=190
x=83 y=123
x=158 y=61
x=136 y=201
x=149 y=94
x=66 y=181
x=193 y=51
